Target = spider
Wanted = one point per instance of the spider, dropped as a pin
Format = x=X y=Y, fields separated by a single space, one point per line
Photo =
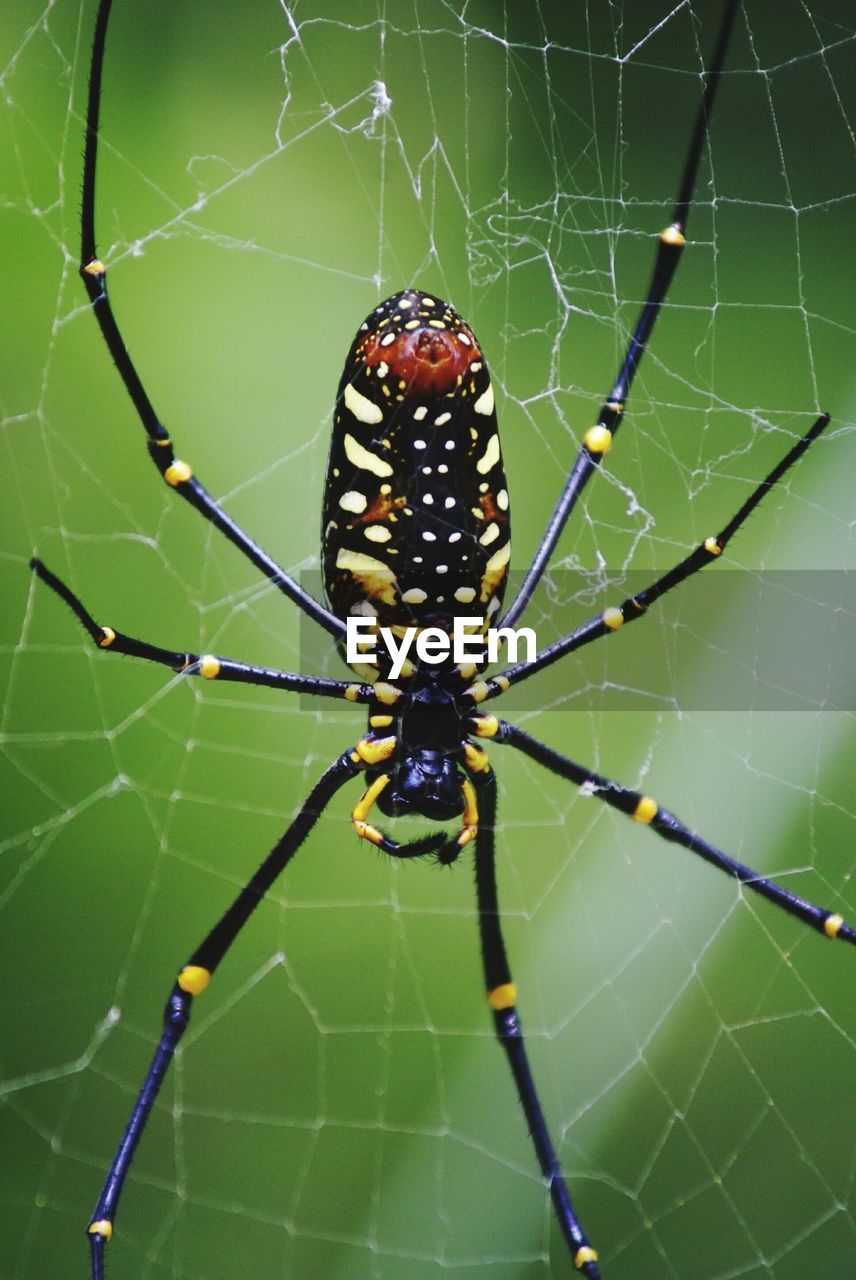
x=416 y=532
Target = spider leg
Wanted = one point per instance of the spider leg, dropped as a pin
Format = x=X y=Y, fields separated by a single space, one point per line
x=645 y=810
x=192 y=981
x=598 y=439
x=209 y=665
x=502 y=996
x=175 y=472
x=613 y=618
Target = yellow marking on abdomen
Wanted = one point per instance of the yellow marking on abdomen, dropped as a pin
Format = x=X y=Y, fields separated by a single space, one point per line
x=364 y=458
x=484 y=405
x=363 y=409
x=490 y=457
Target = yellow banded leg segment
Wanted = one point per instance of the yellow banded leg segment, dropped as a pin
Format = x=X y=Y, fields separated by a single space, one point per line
x=194 y=979
x=832 y=925
x=486 y=726
x=385 y=693
x=470 y=828
x=362 y=808
x=502 y=997
x=646 y=810
x=598 y=440
x=584 y=1255
x=177 y=473
x=103 y=1227
x=375 y=750
x=476 y=758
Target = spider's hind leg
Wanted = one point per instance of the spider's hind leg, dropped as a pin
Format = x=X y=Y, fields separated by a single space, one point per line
x=502 y=997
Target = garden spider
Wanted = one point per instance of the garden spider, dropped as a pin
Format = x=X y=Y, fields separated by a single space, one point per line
x=419 y=753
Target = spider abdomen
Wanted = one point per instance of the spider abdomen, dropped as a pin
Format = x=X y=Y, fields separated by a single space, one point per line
x=416 y=527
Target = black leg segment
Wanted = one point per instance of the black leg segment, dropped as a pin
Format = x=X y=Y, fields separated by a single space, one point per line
x=645 y=810
x=192 y=981
x=502 y=997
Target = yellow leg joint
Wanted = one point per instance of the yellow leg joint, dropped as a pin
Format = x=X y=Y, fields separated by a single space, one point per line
x=832 y=925
x=598 y=439
x=95 y=268
x=366 y=831
x=477 y=691
x=646 y=810
x=102 y=1228
x=476 y=758
x=673 y=235
x=386 y=693
x=352 y=692
x=502 y=997
x=177 y=472
x=712 y=547
x=486 y=726
x=194 y=979
x=584 y=1255
x=613 y=618
x=209 y=666
x=108 y=635
x=375 y=750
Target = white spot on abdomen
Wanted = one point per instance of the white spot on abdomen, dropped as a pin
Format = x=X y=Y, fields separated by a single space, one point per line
x=353 y=501
x=484 y=404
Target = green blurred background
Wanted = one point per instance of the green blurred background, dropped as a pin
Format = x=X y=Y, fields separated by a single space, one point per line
x=339 y=1108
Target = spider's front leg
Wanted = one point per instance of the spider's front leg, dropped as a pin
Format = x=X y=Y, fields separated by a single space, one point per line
x=208 y=665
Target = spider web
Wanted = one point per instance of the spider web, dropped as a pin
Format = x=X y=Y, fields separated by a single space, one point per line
x=338 y=1107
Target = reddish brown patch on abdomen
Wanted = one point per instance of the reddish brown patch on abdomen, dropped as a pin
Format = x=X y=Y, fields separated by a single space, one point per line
x=428 y=361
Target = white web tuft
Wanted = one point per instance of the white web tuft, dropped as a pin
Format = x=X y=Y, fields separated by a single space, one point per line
x=338 y=1107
